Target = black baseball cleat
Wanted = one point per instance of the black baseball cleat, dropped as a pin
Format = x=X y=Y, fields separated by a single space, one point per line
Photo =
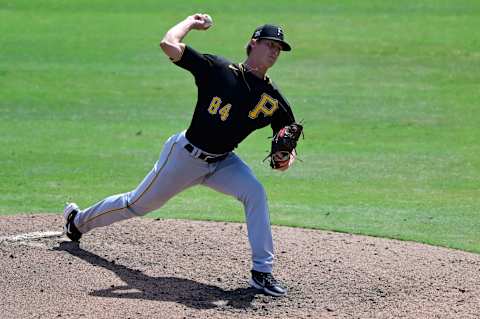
x=264 y=281
x=71 y=210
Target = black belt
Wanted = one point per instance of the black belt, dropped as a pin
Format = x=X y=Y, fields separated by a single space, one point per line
x=205 y=157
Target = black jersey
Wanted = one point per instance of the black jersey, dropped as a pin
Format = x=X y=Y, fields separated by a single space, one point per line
x=231 y=103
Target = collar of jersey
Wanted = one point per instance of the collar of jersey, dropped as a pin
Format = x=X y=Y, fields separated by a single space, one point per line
x=243 y=68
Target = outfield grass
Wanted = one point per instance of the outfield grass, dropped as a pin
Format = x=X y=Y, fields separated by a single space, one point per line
x=389 y=92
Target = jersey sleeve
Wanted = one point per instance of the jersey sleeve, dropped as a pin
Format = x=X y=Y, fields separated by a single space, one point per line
x=284 y=116
x=198 y=64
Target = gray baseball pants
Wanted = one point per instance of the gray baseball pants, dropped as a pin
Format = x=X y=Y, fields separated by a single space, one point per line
x=176 y=170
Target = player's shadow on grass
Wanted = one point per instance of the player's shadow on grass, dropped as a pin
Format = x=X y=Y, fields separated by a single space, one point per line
x=140 y=286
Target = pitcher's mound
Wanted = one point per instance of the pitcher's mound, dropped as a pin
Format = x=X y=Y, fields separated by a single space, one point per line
x=146 y=268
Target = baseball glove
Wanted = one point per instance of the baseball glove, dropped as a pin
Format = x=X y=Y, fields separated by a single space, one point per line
x=284 y=143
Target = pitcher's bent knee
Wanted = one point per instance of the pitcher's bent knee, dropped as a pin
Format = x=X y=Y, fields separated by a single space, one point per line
x=253 y=192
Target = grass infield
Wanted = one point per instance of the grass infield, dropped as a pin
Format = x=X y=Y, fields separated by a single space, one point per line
x=389 y=92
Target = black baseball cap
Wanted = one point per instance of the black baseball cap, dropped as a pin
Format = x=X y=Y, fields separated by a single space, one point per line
x=271 y=32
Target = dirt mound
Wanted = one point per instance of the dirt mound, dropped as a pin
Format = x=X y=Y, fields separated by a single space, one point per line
x=145 y=268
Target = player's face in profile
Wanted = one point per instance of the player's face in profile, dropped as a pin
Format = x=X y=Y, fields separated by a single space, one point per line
x=267 y=52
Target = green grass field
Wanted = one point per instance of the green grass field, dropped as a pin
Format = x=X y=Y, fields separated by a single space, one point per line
x=389 y=92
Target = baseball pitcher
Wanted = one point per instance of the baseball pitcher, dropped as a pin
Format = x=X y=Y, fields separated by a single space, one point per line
x=234 y=99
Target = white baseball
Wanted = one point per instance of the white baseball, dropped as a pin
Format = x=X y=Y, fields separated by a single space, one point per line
x=208 y=20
